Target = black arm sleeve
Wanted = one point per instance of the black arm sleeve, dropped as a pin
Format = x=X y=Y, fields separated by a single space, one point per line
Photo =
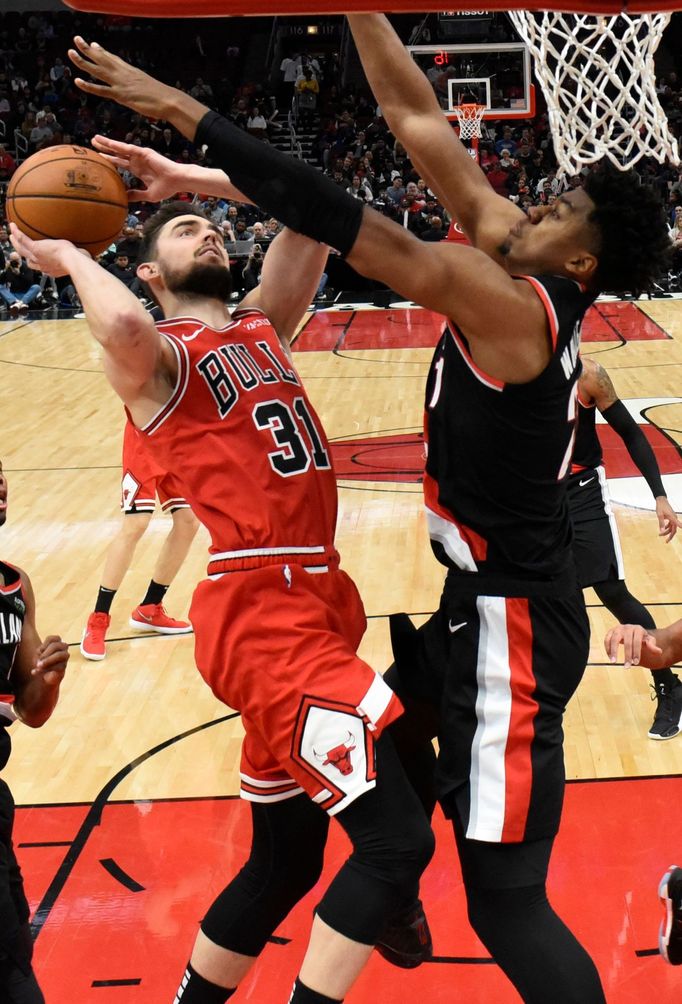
x=620 y=419
x=290 y=190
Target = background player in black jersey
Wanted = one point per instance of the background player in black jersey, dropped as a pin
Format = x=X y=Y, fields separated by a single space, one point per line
x=596 y=543
x=508 y=646
x=31 y=672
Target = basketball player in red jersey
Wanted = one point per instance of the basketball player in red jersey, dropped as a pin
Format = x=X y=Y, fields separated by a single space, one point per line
x=142 y=480
x=277 y=623
x=31 y=672
x=507 y=647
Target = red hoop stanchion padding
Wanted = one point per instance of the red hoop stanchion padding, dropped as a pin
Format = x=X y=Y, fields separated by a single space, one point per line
x=226 y=8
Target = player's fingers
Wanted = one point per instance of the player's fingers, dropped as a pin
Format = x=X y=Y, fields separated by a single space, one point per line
x=86 y=65
x=113 y=146
x=118 y=161
x=100 y=90
x=611 y=643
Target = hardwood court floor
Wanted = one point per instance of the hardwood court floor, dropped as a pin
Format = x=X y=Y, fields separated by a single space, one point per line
x=129 y=823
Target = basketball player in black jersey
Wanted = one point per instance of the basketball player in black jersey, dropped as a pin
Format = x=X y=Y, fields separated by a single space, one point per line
x=596 y=543
x=505 y=651
x=31 y=671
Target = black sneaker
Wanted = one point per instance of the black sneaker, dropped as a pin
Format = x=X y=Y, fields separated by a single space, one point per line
x=406 y=942
x=666 y=723
x=670 y=934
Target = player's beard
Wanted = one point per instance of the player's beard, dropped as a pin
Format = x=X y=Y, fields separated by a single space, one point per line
x=202 y=279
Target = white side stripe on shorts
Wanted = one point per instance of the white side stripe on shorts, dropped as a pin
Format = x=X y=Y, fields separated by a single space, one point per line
x=612 y=522
x=493 y=712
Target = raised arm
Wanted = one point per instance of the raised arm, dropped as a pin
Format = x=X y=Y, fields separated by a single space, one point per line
x=414 y=116
x=596 y=385
x=284 y=294
x=138 y=363
x=163 y=177
x=462 y=283
x=38 y=668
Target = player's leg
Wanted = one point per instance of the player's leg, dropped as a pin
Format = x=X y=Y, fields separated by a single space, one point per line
x=118 y=561
x=511 y=914
x=627 y=609
x=285 y=862
x=513 y=664
x=18 y=984
x=150 y=614
x=670 y=933
x=392 y=845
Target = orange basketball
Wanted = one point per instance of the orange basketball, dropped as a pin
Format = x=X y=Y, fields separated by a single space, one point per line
x=68 y=192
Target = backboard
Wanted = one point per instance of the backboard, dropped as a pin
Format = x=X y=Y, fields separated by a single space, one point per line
x=497 y=75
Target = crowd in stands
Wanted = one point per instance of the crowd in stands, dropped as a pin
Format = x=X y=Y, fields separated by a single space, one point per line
x=40 y=107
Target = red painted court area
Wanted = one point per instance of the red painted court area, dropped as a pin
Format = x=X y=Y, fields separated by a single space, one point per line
x=120 y=926
x=414 y=328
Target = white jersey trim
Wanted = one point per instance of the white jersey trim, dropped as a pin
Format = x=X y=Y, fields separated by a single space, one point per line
x=259 y=552
x=178 y=391
x=250 y=796
x=448 y=536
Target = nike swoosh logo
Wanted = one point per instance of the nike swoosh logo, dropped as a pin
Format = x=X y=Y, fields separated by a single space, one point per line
x=145 y=617
x=583 y=483
x=456 y=627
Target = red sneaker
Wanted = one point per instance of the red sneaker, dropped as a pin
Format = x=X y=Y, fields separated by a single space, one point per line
x=152 y=617
x=92 y=645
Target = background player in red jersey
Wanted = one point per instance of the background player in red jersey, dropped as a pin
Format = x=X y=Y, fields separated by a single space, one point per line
x=596 y=543
x=277 y=623
x=141 y=482
x=508 y=646
x=31 y=672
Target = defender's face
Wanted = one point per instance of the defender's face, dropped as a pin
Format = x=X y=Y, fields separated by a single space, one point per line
x=3 y=496
x=551 y=237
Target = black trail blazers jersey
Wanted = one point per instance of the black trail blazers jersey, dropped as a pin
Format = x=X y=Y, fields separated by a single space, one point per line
x=12 y=611
x=587 y=451
x=498 y=453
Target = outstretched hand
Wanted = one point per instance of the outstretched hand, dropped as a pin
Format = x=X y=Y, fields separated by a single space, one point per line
x=639 y=646
x=162 y=177
x=117 y=80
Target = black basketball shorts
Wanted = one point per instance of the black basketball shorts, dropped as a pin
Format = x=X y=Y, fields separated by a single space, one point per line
x=596 y=544
x=500 y=670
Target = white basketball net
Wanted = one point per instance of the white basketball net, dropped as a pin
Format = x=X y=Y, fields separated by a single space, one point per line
x=597 y=75
x=469 y=118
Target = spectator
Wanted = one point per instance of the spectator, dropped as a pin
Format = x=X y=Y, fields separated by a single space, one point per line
x=307 y=91
x=396 y=193
x=8 y=164
x=217 y=211
x=252 y=270
x=436 y=231
x=121 y=269
x=359 y=188
x=256 y=124
x=202 y=91
x=17 y=286
x=507 y=142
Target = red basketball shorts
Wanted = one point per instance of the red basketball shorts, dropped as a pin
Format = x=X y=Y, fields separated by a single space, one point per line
x=143 y=480
x=278 y=644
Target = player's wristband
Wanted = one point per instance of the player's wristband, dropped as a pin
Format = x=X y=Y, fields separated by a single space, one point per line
x=291 y=191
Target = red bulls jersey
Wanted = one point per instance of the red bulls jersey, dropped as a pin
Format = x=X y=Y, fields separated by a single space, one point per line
x=244 y=440
x=498 y=453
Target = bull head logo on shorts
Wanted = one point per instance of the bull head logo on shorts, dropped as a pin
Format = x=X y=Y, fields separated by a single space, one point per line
x=339 y=756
